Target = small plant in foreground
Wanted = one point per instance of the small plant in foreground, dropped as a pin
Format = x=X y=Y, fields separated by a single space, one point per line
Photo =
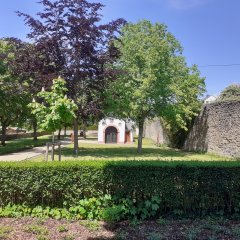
x=35 y=229
x=42 y=237
x=154 y=236
x=162 y=221
x=135 y=222
x=4 y=232
x=91 y=225
x=112 y=214
x=40 y=221
x=68 y=237
x=142 y=210
x=62 y=228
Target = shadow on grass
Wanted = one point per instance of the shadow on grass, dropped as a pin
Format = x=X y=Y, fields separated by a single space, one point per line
x=129 y=152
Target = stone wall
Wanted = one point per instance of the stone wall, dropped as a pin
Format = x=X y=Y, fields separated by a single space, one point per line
x=216 y=130
x=154 y=130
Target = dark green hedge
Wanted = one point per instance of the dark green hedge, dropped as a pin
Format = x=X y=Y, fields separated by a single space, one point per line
x=185 y=188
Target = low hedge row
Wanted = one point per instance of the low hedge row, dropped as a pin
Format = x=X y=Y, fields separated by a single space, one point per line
x=184 y=188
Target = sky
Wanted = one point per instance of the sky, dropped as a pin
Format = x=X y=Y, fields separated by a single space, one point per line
x=208 y=30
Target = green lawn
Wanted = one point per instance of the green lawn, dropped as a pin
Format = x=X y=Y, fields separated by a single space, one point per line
x=94 y=151
x=22 y=144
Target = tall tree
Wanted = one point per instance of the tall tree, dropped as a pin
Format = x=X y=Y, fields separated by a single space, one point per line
x=14 y=98
x=155 y=79
x=232 y=92
x=79 y=44
x=34 y=68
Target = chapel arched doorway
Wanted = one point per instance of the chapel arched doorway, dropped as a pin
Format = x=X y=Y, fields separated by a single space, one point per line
x=111 y=135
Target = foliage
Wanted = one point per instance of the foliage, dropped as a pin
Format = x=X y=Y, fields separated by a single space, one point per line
x=155 y=79
x=112 y=214
x=101 y=208
x=56 y=109
x=138 y=189
x=62 y=228
x=145 y=209
x=33 y=66
x=41 y=232
x=90 y=208
x=14 y=98
x=230 y=93
x=80 y=49
x=35 y=229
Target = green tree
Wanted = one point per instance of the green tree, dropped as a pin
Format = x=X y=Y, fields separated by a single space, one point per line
x=232 y=92
x=72 y=35
x=54 y=109
x=14 y=98
x=155 y=79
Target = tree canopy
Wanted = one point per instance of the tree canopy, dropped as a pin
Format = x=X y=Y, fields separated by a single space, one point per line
x=14 y=98
x=54 y=109
x=230 y=93
x=80 y=48
x=155 y=79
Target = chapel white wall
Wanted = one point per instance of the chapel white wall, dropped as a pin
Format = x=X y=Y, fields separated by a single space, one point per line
x=107 y=122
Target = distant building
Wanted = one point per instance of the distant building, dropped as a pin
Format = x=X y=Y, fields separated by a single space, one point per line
x=112 y=130
x=210 y=99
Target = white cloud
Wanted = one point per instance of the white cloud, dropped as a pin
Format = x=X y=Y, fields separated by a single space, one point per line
x=185 y=4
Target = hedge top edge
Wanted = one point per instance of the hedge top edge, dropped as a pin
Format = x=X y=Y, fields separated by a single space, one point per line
x=109 y=163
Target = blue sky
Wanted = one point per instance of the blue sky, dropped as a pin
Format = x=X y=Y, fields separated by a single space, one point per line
x=207 y=29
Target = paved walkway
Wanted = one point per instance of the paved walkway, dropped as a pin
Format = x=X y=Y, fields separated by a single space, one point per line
x=88 y=141
x=26 y=154
x=23 y=155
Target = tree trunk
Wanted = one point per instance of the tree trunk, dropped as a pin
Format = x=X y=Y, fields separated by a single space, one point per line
x=59 y=133
x=34 y=125
x=4 y=129
x=75 y=132
x=65 y=131
x=140 y=136
x=53 y=137
x=84 y=131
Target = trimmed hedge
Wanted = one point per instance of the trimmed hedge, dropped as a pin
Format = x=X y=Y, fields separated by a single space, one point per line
x=185 y=188
x=14 y=136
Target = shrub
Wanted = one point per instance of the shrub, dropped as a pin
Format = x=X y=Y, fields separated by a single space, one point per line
x=112 y=214
x=143 y=189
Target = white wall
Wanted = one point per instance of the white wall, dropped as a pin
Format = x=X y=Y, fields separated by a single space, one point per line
x=210 y=99
x=107 y=122
x=131 y=136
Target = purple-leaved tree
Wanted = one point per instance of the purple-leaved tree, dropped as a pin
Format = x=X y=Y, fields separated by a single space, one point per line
x=72 y=33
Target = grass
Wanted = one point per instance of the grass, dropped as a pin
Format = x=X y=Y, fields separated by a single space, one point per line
x=95 y=151
x=23 y=144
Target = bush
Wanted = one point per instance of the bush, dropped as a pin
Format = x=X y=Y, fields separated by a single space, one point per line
x=92 y=127
x=142 y=189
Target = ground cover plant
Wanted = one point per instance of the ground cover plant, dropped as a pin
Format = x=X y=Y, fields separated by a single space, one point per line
x=35 y=228
x=22 y=144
